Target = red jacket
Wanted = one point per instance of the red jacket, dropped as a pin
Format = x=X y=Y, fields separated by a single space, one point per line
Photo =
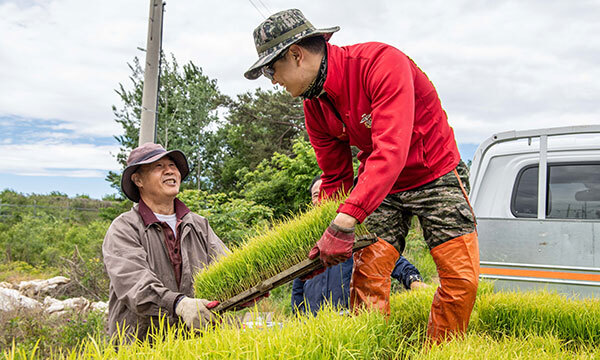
x=379 y=101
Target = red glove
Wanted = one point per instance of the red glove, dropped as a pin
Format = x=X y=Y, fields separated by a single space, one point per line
x=335 y=246
x=212 y=304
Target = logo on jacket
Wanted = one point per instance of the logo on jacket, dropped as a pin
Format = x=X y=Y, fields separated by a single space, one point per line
x=365 y=119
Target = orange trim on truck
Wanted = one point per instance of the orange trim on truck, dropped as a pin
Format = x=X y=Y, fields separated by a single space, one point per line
x=540 y=274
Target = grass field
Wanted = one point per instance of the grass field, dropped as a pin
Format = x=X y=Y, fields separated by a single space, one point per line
x=533 y=325
x=506 y=325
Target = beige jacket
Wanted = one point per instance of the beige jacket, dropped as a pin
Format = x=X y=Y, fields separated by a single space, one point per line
x=142 y=279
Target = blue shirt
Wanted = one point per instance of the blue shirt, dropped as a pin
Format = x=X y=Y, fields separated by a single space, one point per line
x=333 y=286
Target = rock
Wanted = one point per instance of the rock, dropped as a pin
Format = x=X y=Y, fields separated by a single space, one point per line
x=53 y=306
x=100 y=306
x=37 y=287
x=11 y=299
x=6 y=285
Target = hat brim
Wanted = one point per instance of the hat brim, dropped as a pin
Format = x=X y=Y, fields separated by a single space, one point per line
x=254 y=72
x=131 y=190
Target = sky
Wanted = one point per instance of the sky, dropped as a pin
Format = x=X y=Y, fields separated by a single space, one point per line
x=497 y=65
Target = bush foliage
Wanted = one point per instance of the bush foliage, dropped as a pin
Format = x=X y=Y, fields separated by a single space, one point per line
x=282 y=181
x=232 y=219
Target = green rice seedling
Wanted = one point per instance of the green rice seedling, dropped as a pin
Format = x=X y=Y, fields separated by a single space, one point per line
x=539 y=313
x=482 y=346
x=410 y=310
x=326 y=336
x=370 y=335
x=267 y=254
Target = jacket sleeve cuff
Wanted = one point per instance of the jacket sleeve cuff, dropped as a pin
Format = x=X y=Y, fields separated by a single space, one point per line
x=169 y=301
x=177 y=300
x=354 y=211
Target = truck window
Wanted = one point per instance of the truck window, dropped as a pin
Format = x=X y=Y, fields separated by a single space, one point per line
x=525 y=194
x=573 y=192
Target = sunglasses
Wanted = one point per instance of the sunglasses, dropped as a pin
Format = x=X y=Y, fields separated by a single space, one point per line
x=268 y=71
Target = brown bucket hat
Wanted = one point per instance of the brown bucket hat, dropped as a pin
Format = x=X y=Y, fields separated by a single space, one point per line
x=147 y=154
x=277 y=33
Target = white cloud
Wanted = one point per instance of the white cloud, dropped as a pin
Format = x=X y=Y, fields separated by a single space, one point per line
x=498 y=65
x=57 y=159
x=64 y=58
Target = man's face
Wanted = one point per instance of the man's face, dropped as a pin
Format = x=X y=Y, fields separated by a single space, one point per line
x=291 y=73
x=158 y=181
x=314 y=192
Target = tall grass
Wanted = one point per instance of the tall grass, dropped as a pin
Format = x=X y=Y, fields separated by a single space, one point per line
x=533 y=325
x=516 y=314
x=531 y=347
x=265 y=255
x=539 y=313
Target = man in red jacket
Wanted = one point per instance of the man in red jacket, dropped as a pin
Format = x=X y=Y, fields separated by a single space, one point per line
x=374 y=97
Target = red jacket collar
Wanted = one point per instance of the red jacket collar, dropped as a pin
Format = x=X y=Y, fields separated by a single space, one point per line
x=148 y=215
x=335 y=69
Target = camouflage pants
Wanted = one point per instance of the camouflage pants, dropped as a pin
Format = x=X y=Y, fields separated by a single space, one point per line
x=439 y=205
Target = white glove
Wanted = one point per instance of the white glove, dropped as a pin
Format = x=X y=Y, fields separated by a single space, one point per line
x=194 y=312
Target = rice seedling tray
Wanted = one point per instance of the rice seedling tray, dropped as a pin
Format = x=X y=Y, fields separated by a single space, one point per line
x=303 y=268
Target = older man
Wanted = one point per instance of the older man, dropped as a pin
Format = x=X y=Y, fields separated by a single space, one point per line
x=376 y=98
x=152 y=251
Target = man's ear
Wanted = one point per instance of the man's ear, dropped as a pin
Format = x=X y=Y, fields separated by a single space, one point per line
x=137 y=179
x=296 y=52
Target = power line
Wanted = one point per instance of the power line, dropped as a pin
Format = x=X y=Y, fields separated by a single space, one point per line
x=261 y=14
x=265 y=6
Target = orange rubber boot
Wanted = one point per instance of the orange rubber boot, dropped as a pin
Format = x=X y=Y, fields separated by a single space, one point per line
x=457 y=263
x=371 y=283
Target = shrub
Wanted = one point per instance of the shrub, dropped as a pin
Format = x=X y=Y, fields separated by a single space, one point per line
x=34 y=329
x=281 y=182
x=50 y=246
x=111 y=212
x=15 y=206
x=17 y=271
x=232 y=219
x=40 y=241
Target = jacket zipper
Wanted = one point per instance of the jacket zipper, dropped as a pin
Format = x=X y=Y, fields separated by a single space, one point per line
x=335 y=111
x=162 y=236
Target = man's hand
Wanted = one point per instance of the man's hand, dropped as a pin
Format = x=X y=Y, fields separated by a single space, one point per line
x=418 y=285
x=194 y=312
x=335 y=246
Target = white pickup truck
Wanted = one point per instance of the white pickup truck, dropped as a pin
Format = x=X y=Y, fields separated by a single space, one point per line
x=539 y=228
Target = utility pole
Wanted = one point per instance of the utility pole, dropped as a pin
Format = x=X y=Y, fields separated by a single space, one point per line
x=152 y=73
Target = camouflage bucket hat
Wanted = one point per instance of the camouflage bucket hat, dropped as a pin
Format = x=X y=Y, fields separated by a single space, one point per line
x=277 y=33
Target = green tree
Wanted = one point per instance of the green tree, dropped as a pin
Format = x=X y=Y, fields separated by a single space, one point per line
x=188 y=105
x=282 y=181
x=258 y=125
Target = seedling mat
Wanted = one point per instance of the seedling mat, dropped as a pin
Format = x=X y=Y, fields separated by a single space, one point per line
x=303 y=268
